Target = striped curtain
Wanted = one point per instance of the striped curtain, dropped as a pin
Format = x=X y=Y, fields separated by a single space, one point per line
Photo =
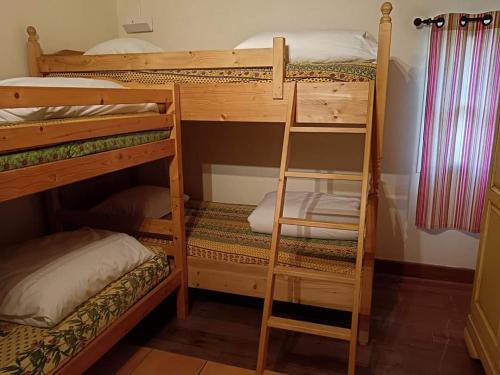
x=463 y=85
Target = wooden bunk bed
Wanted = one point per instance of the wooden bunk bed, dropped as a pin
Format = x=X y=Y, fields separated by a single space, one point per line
x=239 y=98
x=80 y=339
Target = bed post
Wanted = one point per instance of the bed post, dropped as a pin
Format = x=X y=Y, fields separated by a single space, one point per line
x=278 y=67
x=34 y=52
x=383 y=56
x=177 y=199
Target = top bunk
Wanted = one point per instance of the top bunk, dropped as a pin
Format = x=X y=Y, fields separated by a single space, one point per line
x=214 y=85
x=42 y=153
x=258 y=74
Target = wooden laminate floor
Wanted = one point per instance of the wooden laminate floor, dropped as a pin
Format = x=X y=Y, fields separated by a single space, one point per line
x=417 y=328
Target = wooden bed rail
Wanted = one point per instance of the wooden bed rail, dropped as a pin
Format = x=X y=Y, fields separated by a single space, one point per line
x=66 y=61
x=327 y=103
x=27 y=97
x=119 y=223
x=43 y=133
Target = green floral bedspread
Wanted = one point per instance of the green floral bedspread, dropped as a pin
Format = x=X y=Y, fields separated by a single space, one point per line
x=30 y=350
x=78 y=148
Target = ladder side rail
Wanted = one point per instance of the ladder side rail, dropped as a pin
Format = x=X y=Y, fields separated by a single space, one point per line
x=361 y=234
x=275 y=239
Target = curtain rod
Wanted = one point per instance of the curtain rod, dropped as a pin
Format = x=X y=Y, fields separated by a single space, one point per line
x=464 y=20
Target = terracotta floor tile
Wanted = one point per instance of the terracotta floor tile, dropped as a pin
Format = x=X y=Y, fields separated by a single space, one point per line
x=121 y=360
x=212 y=368
x=159 y=362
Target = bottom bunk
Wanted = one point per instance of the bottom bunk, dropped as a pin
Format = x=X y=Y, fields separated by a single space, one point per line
x=88 y=332
x=225 y=255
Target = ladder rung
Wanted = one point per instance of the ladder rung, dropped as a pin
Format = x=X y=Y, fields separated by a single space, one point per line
x=311 y=328
x=311 y=274
x=325 y=176
x=319 y=129
x=317 y=224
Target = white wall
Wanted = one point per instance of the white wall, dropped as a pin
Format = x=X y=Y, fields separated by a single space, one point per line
x=61 y=24
x=248 y=169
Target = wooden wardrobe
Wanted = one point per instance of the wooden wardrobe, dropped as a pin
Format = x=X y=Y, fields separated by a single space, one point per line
x=482 y=333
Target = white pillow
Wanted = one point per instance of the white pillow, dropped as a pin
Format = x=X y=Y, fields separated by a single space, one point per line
x=319 y=46
x=46 y=113
x=141 y=201
x=123 y=45
x=307 y=205
x=44 y=280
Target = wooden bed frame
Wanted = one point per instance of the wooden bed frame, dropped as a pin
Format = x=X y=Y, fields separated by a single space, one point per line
x=24 y=181
x=325 y=103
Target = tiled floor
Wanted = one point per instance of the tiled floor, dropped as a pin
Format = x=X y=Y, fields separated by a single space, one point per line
x=417 y=328
x=126 y=359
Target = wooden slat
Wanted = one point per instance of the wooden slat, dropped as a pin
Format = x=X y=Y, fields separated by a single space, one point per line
x=278 y=67
x=251 y=102
x=51 y=132
x=250 y=280
x=25 y=181
x=317 y=224
x=324 y=176
x=319 y=129
x=304 y=273
x=167 y=246
x=27 y=97
x=251 y=58
x=118 y=223
x=310 y=328
x=155 y=226
x=332 y=102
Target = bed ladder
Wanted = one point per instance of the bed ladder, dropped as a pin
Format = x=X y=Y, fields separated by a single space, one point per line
x=270 y=321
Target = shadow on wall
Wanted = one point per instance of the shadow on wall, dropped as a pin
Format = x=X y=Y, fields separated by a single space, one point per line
x=206 y=144
x=253 y=152
x=21 y=218
x=88 y=193
x=401 y=143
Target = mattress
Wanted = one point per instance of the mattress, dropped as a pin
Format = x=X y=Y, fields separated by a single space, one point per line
x=76 y=149
x=331 y=72
x=221 y=232
x=29 y=350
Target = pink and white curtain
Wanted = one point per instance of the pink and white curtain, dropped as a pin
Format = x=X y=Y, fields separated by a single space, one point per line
x=463 y=86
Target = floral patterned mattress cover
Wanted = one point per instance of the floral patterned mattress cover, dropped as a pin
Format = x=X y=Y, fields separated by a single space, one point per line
x=31 y=350
x=76 y=149
x=356 y=71
x=221 y=232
